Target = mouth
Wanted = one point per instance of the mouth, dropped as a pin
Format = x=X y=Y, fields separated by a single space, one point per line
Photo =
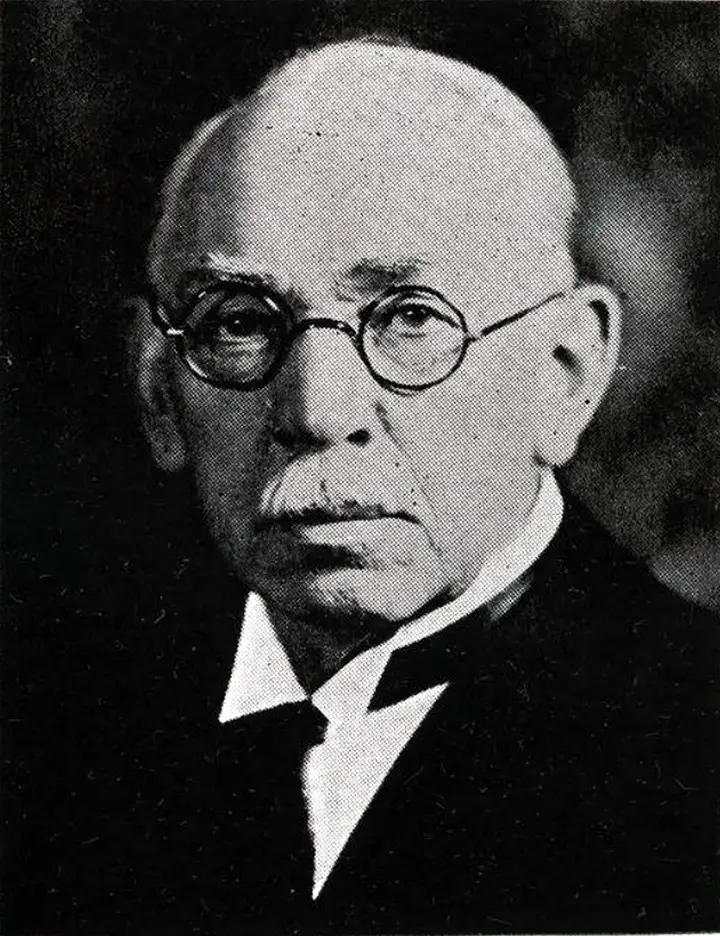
x=345 y=535
x=318 y=540
x=358 y=533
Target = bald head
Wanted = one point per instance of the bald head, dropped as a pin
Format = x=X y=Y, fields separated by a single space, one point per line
x=420 y=140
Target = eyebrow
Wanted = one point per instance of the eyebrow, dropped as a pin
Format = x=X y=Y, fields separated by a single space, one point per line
x=368 y=277
x=371 y=276
x=232 y=272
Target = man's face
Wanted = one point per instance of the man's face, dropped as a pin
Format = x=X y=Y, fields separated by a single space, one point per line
x=328 y=493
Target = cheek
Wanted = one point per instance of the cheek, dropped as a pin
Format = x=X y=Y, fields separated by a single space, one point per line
x=226 y=438
x=473 y=455
x=468 y=436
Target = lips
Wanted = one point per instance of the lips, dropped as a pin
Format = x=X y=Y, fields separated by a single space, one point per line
x=319 y=540
x=338 y=536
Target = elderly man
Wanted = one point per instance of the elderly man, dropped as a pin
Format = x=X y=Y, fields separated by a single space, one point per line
x=455 y=704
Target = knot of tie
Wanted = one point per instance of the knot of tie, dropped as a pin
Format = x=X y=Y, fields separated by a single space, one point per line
x=299 y=726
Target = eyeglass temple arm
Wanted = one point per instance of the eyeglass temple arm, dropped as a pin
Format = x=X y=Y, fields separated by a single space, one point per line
x=489 y=329
x=159 y=319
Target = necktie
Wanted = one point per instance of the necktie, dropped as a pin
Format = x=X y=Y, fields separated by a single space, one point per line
x=291 y=730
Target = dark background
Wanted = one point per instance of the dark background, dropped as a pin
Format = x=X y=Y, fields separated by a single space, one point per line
x=98 y=96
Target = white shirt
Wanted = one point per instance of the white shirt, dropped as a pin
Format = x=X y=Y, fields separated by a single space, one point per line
x=342 y=774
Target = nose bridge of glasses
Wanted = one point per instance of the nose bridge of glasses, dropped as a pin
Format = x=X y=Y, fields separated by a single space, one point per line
x=329 y=324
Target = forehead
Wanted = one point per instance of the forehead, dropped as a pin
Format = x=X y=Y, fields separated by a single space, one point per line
x=369 y=171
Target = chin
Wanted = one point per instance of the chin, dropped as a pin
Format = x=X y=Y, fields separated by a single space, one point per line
x=376 y=597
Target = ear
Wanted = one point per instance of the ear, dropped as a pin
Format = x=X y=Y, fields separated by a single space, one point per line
x=584 y=351
x=148 y=360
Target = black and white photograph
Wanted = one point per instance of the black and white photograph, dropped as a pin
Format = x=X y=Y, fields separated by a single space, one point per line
x=360 y=467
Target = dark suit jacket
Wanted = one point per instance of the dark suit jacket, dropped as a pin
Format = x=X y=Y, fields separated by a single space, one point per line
x=564 y=782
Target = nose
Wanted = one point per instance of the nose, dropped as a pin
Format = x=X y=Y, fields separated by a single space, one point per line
x=324 y=394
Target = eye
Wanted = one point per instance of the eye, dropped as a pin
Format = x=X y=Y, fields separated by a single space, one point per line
x=237 y=317
x=414 y=316
x=241 y=324
x=414 y=319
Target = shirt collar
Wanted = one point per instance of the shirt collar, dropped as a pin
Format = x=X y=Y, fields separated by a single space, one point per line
x=263 y=678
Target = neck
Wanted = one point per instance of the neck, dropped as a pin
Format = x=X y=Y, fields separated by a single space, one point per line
x=318 y=650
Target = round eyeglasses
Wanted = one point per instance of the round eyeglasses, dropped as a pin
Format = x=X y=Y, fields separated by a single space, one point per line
x=236 y=335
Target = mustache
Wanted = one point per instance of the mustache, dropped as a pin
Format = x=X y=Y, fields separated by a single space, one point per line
x=325 y=488
x=327 y=512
